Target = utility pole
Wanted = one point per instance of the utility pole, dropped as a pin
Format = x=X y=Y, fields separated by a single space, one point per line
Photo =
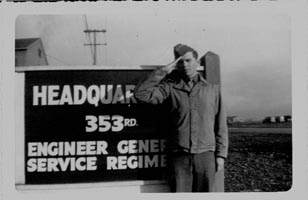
x=94 y=44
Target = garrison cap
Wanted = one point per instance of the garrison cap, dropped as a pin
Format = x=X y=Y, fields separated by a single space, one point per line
x=181 y=49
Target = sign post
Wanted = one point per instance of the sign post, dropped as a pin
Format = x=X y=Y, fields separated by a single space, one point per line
x=211 y=64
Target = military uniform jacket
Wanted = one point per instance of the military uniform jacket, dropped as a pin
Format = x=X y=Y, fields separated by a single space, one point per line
x=198 y=118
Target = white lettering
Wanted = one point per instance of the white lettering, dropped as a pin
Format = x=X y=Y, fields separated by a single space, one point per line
x=41 y=165
x=93 y=95
x=91 y=163
x=80 y=94
x=66 y=96
x=101 y=147
x=90 y=149
x=106 y=96
x=81 y=147
x=52 y=93
x=129 y=95
x=140 y=162
x=73 y=164
x=122 y=162
x=111 y=162
x=69 y=148
x=32 y=149
x=118 y=95
x=154 y=146
x=163 y=160
x=123 y=146
x=52 y=165
x=132 y=162
x=63 y=163
x=52 y=149
x=31 y=165
x=148 y=162
x=42 y=149
x=39 y=95
x=132 y=146
x=163 y=145
x=60 y=150
x=143 y=146
x=79 y=165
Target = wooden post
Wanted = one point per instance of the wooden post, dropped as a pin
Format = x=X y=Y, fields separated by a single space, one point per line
x=210 y=62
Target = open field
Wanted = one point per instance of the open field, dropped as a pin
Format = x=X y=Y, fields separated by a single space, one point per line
x=261 y=130
x=259 y=160
x=261 y=125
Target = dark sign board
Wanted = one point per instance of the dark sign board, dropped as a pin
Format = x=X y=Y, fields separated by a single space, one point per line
x=85 y=126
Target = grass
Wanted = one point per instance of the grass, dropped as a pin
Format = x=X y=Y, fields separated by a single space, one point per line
x=259 y=162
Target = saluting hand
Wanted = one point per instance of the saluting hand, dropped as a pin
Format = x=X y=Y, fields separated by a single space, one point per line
x=171 y=66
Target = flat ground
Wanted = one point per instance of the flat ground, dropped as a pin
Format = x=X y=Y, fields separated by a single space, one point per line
x=260 y=160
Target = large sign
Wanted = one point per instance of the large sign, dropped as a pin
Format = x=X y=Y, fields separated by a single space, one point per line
x=86 y=126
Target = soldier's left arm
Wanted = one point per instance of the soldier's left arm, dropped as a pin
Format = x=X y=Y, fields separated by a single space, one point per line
x=220 y=128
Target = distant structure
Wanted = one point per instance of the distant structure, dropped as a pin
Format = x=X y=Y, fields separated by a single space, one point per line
x=288 y=118
x=277 y=119
x=234 y=119
x=30 y=52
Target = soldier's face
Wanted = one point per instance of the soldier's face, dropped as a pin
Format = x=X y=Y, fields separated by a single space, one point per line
x=189 y=64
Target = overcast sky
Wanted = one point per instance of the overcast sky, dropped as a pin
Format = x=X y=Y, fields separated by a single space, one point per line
x=254 y=50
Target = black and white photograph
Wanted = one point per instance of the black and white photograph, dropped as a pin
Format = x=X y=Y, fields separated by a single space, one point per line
x=157 y=98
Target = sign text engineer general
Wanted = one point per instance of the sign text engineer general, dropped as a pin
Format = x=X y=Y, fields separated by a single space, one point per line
x=79 y=155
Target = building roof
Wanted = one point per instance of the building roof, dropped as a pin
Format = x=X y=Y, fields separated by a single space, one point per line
x=24 y=43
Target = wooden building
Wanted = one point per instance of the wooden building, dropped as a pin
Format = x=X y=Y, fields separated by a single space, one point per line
x=30 y=52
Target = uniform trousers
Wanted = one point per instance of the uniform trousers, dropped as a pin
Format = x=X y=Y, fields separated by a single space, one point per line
x=191 y=172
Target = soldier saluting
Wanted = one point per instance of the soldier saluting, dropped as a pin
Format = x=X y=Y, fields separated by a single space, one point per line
x=198 y=142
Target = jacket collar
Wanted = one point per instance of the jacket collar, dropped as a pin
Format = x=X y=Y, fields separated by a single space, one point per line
x=181 y=85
